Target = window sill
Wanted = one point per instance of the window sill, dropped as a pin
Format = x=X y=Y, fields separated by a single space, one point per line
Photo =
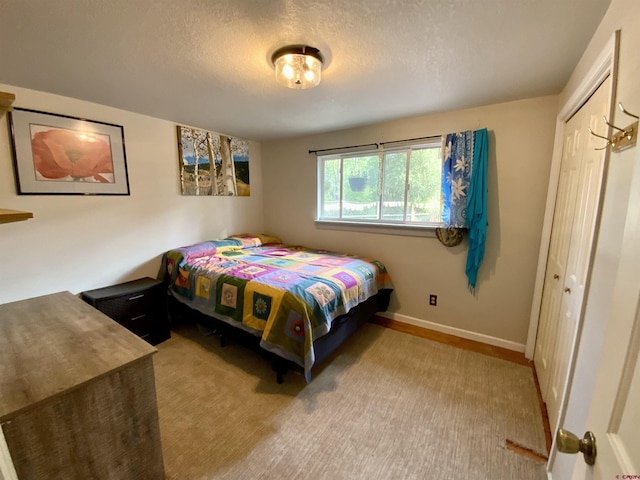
x=382 y=228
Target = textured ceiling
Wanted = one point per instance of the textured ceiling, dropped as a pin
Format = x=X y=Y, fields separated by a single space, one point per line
x=206 y=63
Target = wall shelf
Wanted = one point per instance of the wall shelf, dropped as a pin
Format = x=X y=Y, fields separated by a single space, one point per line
x=6 y=102
x=7 y=216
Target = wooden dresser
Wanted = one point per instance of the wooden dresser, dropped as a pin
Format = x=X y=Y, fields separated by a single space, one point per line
x=77 y=394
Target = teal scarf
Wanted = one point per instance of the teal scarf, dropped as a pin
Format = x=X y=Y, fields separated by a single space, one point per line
x=477 y=207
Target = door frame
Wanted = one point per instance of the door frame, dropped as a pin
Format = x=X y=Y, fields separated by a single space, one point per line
x=606 y=64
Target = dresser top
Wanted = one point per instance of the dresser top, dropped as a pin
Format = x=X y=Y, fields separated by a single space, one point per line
x=55 y=343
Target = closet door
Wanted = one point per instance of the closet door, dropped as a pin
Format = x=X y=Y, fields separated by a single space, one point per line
x=558 y=250
x=568 y=265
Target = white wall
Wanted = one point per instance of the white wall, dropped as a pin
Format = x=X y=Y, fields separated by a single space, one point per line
x=78 y=243
x=521 y=142
x=622 y=15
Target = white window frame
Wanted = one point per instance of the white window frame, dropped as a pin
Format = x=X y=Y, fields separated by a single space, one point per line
x=386 y=226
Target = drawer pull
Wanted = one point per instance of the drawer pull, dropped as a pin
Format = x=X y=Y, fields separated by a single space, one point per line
x=133 y=319
x=135 y=297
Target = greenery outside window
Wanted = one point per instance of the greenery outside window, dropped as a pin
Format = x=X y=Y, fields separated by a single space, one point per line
x=398 y=186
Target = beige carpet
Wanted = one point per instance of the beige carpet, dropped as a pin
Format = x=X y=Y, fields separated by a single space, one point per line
x=386 y=405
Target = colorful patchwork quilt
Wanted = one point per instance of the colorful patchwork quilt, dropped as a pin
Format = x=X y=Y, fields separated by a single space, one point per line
x=287 y=295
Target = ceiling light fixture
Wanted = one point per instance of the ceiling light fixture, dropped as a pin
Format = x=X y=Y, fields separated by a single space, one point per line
x=298 y=66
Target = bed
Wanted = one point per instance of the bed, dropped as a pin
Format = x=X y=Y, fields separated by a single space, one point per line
x=298 y=303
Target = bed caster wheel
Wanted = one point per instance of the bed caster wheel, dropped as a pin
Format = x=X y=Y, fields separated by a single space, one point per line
x=279 y=378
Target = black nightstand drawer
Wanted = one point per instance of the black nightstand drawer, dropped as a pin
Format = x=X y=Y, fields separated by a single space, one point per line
x=139 y=324
x=140 y=306
x=134 y=304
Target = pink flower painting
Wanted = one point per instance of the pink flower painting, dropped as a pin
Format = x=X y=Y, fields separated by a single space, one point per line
x=68 y=155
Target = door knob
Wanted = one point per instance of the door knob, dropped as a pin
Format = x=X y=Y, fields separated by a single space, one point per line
x=556 y=276
x=567 y=442
x=567 y=289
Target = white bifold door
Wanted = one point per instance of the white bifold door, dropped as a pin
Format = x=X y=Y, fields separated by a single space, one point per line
x=570 y=249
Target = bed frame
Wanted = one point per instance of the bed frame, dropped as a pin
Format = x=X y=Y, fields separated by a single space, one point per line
x=342 y=327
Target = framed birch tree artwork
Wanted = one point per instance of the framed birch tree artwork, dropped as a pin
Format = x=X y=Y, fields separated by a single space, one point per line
x=212 y=164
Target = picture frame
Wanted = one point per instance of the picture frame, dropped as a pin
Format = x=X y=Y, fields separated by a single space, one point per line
x=57 y=154
x=212 y=164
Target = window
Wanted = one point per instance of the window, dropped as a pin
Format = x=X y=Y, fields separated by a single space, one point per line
x=393 y=186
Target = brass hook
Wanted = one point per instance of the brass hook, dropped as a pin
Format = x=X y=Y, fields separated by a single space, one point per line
x=599 y=136
x=596 y=135
x=612 y=125
x=627 y=112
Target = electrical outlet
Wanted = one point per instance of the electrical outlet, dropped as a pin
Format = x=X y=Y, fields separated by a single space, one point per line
x=433 y=300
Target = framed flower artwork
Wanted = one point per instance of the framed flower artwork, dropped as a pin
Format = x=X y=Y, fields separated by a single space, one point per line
x=62 y=155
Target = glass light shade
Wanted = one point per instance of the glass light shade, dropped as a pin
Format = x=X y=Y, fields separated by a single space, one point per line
x=298 y=66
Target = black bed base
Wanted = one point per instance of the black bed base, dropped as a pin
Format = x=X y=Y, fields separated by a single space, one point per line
x=341 y=329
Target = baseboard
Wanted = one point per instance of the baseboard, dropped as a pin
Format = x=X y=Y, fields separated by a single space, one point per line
x=454 y=337
x=543 y=409
x=457 y=332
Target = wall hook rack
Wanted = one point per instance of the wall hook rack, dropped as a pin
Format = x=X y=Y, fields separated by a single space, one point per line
x=624 y=137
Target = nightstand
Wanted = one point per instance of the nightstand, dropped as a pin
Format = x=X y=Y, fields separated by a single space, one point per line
x=140 y=306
